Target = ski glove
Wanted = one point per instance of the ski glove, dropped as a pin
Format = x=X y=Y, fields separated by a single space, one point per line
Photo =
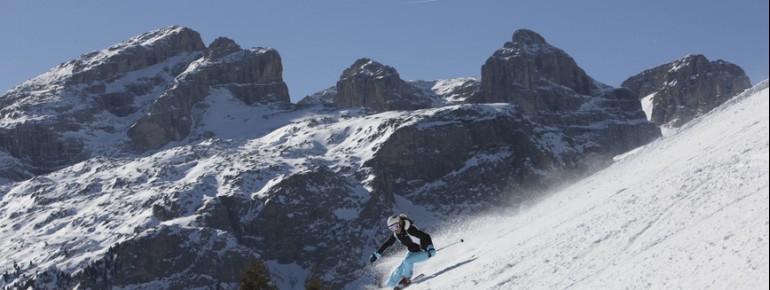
x=374 y=257
x=431 y=251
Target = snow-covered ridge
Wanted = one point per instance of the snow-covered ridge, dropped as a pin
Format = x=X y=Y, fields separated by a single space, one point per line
x=89 y=60
x=449 y=91
x=147 y=40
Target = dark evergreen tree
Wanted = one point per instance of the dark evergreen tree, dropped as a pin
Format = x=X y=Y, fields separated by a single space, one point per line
x=314 y=282
x=256 y=276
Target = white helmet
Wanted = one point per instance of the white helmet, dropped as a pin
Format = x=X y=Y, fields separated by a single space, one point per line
x=394 y=219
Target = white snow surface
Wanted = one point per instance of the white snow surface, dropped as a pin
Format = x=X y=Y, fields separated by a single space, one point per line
x=647 y=104
x=688 y=211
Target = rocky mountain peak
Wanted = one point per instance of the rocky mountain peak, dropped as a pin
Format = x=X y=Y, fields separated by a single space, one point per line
x=368 y=67
x=373 y=85
x=221 y=47
x=683 y=89
x=526 y=37
x=135 y=53
x=535 y=75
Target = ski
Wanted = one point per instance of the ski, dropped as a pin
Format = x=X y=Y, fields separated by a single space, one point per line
x=415 y=279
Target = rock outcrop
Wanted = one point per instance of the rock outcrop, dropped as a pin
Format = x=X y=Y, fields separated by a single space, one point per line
x=470 y=152
x=155 y=259
x=378 y=87
x=686 y=88
x=436 y=93
x=534 y=75
x=137 y=53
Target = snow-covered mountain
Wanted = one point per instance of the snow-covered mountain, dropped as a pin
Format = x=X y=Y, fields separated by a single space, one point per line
x=688 y=211
x=676 y=92
x=162 y=163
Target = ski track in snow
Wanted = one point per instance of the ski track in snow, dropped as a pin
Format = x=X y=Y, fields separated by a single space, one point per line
x=688 y=211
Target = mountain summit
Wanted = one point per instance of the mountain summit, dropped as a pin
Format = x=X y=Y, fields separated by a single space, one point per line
x=681 y=90
x=535 y=75
x=369 y=84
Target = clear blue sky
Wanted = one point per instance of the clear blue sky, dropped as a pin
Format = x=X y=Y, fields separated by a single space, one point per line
x=427 y=40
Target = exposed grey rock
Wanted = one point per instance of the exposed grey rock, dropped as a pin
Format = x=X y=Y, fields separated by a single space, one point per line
x=12 y=169
x=687 y=88
x=325 y=98
x=221 y=47
x=308 y=218
x=41 y=147
x=156 y=259
x=535 y=75
x=134 y=54
x=372 y=85
x=458 y=155
x=437 y=93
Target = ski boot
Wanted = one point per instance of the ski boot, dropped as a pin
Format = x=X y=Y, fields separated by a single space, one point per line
x=402 y=283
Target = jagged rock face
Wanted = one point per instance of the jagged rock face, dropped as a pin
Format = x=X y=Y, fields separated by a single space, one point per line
x=306 y=218
x=221 y=47
x=439 y=93
x=318 y=211
x=155 y=259
x=134 y=56
x=613 y=124
x=253 y=76
x=686 y=88
x=531 y=73
x=372 y=85
x=324 y=98
x=466 y=153
x=41 y=147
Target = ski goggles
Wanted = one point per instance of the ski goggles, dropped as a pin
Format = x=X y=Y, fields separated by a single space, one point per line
x=393 y=228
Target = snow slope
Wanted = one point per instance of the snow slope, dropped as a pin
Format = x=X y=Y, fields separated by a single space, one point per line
x=688 y=211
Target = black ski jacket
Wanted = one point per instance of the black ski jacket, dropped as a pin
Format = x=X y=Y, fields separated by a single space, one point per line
x=413 y=238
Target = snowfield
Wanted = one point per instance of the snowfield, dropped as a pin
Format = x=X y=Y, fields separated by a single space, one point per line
x=688 y=211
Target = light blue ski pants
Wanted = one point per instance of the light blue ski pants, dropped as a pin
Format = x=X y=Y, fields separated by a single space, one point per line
x=405 y=268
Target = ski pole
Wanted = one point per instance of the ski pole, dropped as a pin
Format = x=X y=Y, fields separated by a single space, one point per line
x=452 y=244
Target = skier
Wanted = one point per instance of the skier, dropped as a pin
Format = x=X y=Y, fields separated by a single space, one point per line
x=416 y=241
